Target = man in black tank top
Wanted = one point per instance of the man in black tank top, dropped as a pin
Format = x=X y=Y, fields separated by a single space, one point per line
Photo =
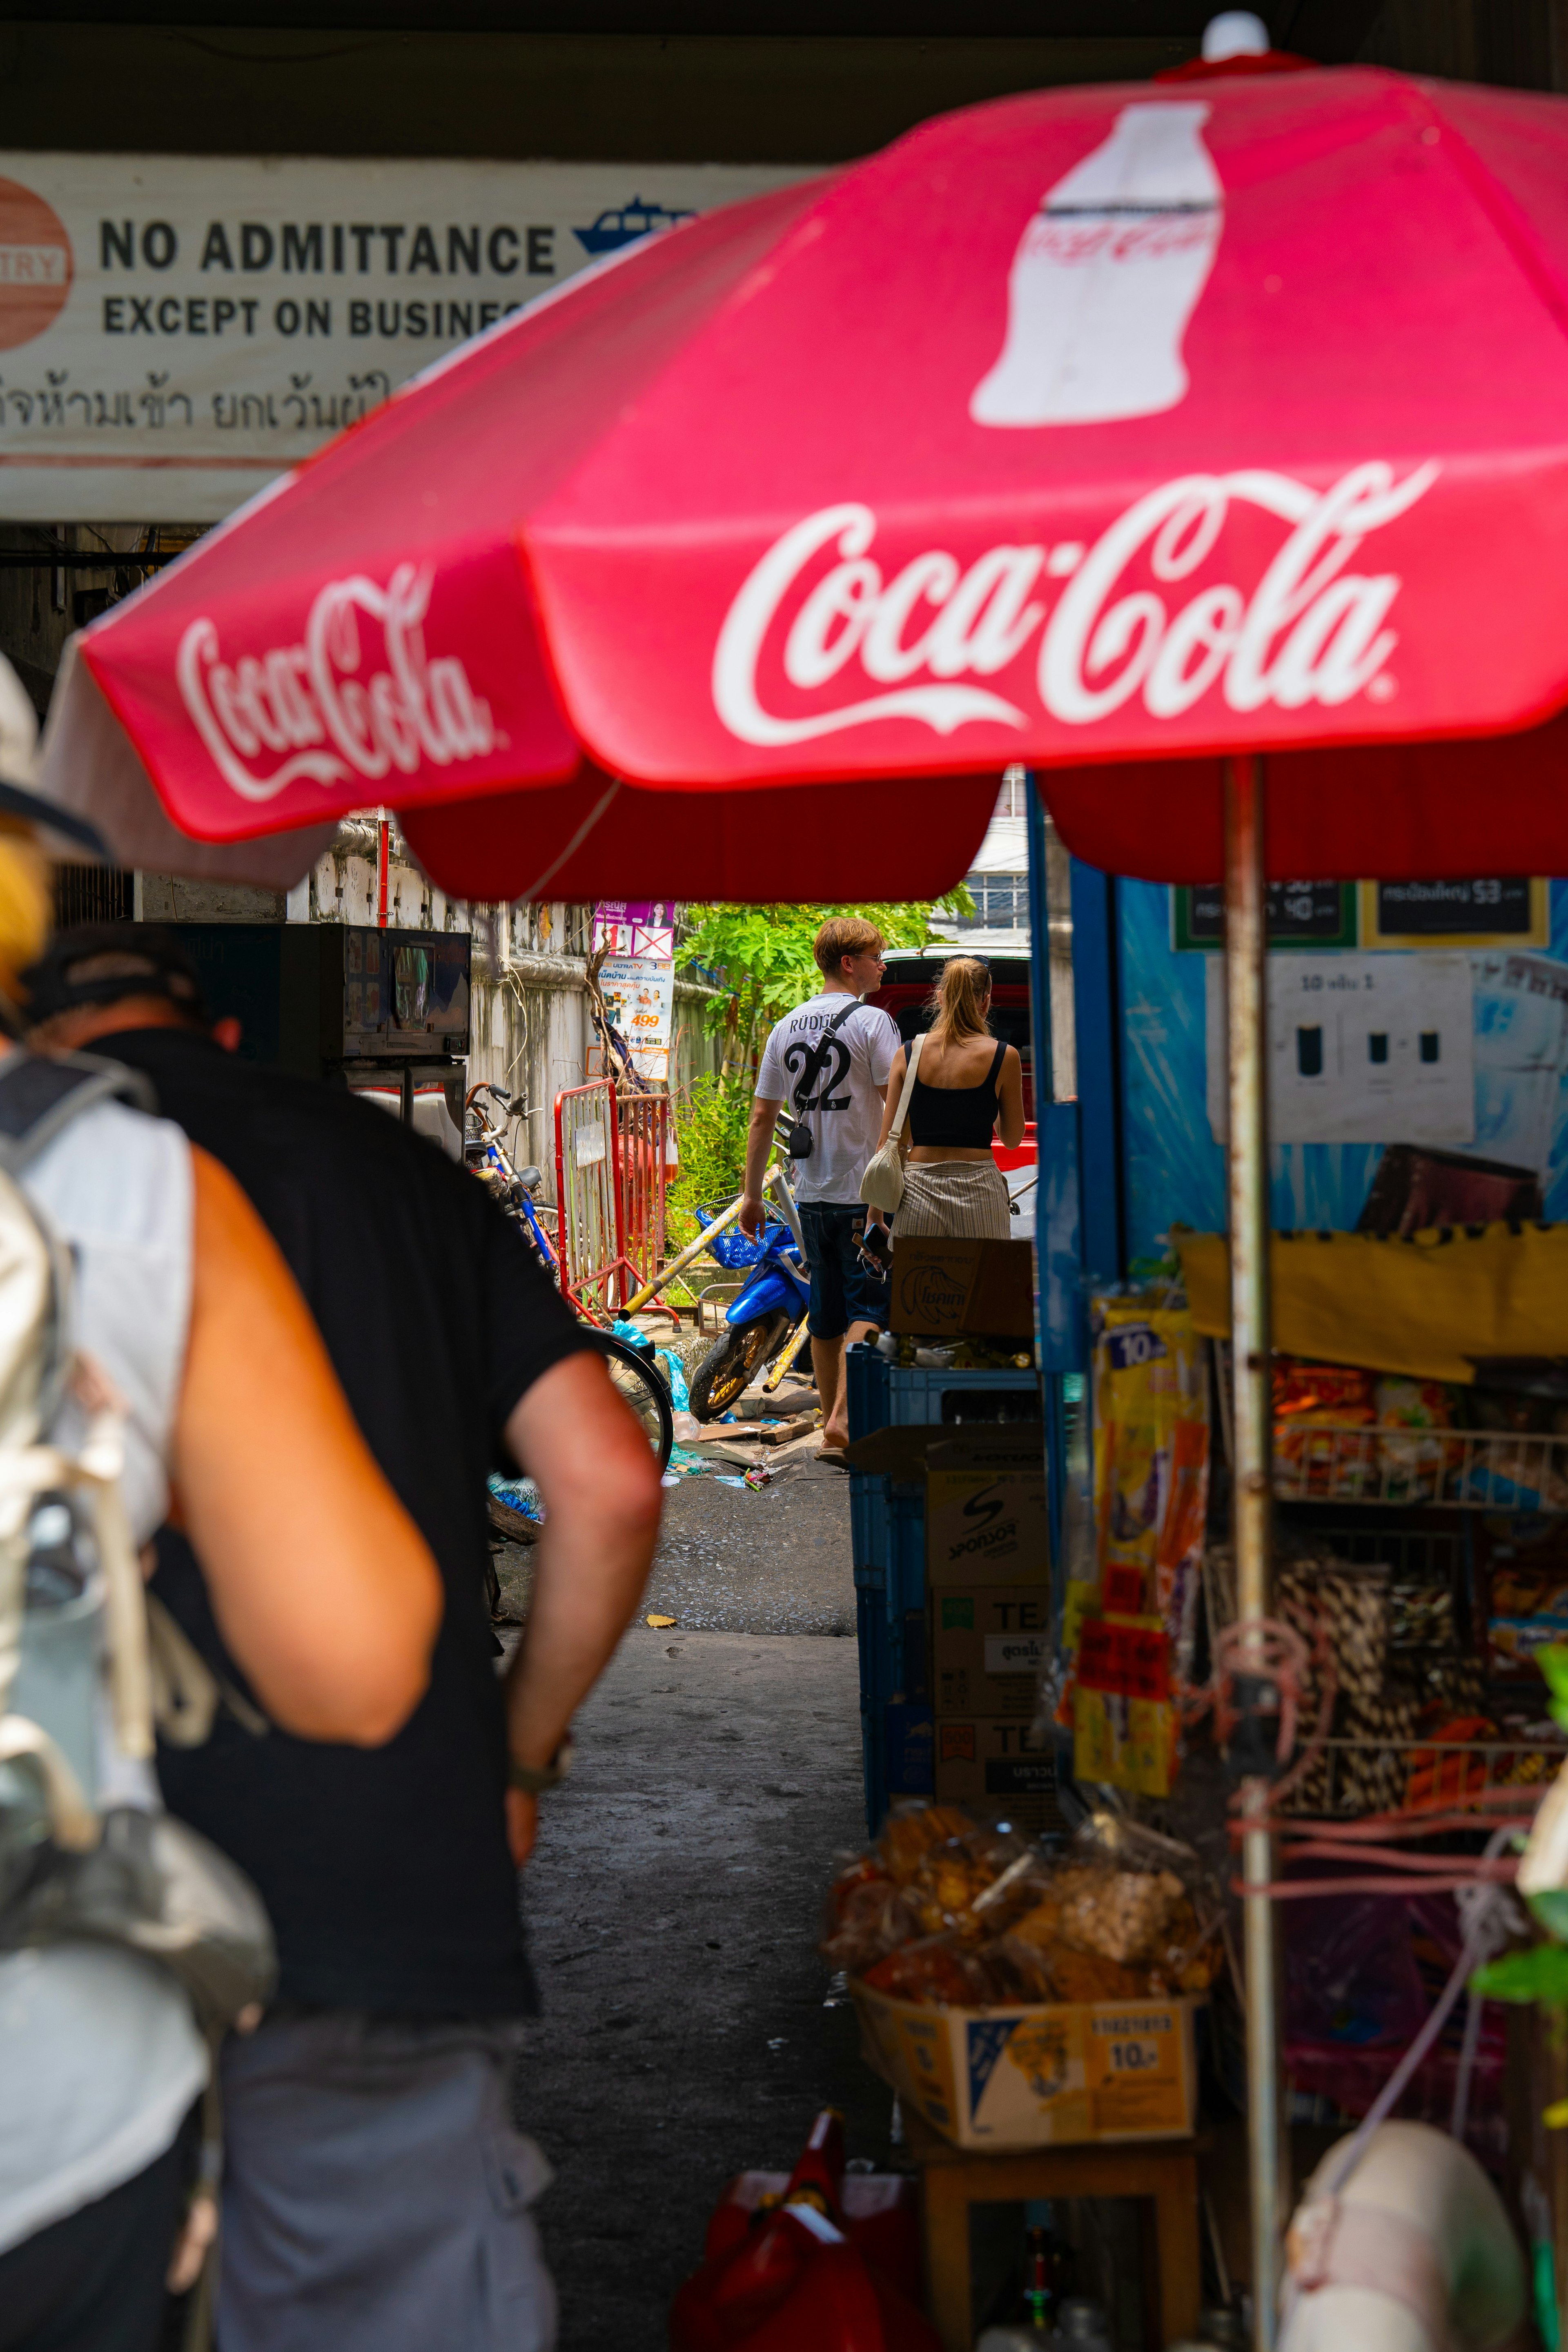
x=367 y=2121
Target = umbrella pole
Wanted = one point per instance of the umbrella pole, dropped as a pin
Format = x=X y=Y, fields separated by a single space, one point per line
x=1246 y=916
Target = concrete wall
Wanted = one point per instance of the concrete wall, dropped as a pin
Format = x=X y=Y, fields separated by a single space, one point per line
x=531 y=1029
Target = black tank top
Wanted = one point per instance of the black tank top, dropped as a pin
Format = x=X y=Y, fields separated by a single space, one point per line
x=955 y=1118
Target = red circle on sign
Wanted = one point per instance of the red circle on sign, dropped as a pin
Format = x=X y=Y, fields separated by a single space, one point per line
x=36 y=265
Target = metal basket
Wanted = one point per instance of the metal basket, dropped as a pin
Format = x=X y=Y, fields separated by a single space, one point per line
x=1474 y=1470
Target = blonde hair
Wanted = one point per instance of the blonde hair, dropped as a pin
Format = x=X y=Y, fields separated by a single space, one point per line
x=960 y=1002
x=26 y=903
x=841 y=936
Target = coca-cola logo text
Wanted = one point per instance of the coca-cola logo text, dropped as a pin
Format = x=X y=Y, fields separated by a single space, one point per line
x=305 y=710
x=1311 y=631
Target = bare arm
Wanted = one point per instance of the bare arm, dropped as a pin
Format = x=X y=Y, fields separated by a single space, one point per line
x=890 y=1094
x=321 y=1584
x=759 y=1143
x=1010 y=1117
x=599 y=1484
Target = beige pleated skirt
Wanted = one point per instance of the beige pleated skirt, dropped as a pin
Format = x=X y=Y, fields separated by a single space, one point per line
x=956 y=1200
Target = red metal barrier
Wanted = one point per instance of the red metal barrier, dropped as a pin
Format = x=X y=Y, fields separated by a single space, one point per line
x=643 y=1137
x=609 y=1191
x=587 y=1194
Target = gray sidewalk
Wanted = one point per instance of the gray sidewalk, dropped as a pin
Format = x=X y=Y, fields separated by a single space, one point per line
x=672 y=1910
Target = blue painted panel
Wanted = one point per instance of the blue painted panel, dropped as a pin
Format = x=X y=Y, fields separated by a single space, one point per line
x=1094 y=951
x=1058 y=1241
x=1174 y=1171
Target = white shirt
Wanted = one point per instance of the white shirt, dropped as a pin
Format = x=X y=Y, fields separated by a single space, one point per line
x=844 y=1111
x=100 y=2054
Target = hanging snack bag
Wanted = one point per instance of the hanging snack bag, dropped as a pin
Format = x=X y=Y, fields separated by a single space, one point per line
x=1413 y=1466
x=1124 y=1720
x=1319 y=1410
x=1150 y=1464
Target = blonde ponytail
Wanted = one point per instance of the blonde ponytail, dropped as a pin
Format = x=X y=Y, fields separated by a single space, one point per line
x=26 y=903
x=961 y=1002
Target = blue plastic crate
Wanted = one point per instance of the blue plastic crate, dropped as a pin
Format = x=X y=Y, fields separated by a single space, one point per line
x=887 y=1523
x=868 y=1520
x=905 y=1563
x=896 y=1734
x=884 y=1395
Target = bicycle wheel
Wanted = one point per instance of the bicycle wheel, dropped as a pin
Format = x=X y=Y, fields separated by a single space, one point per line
x=644 y=1390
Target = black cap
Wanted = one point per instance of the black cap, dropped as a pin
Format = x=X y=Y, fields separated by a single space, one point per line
x=100 y=963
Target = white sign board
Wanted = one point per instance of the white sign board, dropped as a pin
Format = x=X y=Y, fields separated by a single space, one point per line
x=176 y=329
x=1361 y=1049
x=1521 y=1056
x=640 y=994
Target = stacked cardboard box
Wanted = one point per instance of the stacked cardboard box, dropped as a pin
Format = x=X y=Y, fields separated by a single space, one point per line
x=987 y=1606
x=989 y=1639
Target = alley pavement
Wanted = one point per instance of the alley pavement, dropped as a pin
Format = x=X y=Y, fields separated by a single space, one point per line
x=689 y=2031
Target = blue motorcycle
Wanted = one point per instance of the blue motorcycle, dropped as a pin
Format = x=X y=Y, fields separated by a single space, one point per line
x=758 y=1322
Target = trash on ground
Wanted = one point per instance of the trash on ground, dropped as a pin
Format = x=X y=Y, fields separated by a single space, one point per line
x=515 y=1508
x=784 y=1433
x=517 y=1493
x=674 y=1371
x=661 y=1624
x=685 y=1464
x=758 y=1478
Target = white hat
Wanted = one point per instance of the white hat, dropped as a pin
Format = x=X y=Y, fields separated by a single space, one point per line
x=18 y=730
x=19 y=796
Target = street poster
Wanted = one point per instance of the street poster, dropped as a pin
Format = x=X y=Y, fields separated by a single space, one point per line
x=636 y=926
x=640 y=994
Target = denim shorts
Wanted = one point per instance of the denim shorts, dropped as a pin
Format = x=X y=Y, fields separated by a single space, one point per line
x=844 y=1290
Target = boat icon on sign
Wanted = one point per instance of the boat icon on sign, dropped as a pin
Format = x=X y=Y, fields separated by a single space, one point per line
x=624 y=224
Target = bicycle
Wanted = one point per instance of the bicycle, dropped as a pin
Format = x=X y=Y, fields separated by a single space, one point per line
x=514 y=1190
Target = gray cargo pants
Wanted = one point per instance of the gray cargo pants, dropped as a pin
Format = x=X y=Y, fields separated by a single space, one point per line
x=375 y=2194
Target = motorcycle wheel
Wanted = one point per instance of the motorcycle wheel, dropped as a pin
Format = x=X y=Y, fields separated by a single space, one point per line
x=644 y=1390
x=732 y=1362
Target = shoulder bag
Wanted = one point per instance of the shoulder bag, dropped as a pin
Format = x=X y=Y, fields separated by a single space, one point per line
x=882 y=1185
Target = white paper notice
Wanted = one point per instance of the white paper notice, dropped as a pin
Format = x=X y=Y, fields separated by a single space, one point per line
x=1361 y=1049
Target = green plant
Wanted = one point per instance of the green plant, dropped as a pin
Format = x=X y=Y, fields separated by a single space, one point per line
x=710 y=1123
x=765 y=954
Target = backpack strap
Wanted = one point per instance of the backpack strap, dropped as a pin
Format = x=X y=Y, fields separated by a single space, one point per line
x=41 y=1094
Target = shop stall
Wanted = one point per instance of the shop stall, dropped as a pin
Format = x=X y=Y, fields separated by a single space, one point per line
x=1199 y=487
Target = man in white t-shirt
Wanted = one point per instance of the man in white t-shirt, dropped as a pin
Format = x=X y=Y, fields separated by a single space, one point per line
x=837 y=1096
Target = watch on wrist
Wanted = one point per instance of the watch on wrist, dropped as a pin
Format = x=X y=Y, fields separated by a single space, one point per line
x=534 y=1778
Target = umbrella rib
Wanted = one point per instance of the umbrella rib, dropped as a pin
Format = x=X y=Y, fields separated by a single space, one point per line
x=578 y=838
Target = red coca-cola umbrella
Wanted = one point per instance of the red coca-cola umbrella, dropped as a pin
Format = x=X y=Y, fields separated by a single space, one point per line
x=1103 y=429
x=1130 y=434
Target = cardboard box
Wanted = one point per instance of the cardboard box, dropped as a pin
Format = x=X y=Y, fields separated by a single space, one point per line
x=989 y=1644
x=985 y=1515
x=992 y=1762
x=963 y=1290
x=987 y=1523
x=1038 y=2076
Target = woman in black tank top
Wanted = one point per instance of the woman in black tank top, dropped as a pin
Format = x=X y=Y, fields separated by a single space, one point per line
x=966 y=1087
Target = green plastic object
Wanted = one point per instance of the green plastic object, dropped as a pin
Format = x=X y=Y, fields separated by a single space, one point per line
x=1539 y=1974
x=1552 y=1659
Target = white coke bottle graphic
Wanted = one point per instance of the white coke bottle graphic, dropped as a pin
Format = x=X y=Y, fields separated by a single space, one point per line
x=1106 y=276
